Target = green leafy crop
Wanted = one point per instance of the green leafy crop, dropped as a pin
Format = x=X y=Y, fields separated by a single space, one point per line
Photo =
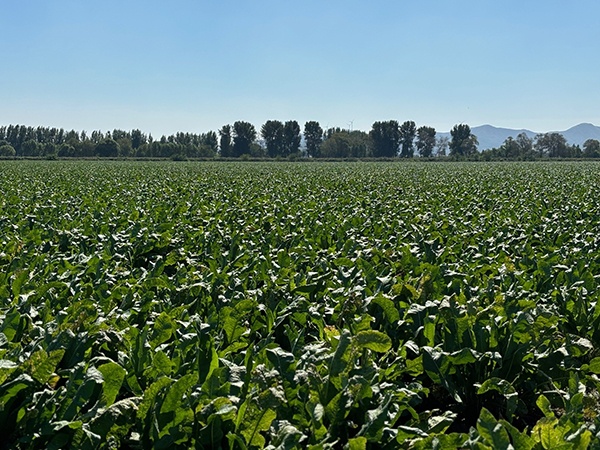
x=291 y=306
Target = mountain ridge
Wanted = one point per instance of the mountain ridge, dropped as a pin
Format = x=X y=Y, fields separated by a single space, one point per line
x=490 y=136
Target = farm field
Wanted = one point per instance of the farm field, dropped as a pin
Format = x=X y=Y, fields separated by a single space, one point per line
x=281 y=305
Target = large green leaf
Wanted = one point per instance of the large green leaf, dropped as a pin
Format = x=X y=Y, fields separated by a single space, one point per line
x=175 y=394
x=388 y=307
x=373 y=340
x=340 y=357
x=162 y=330
x=375 y=421
x=338 y=408
x=550 y=434
x=41 y=365
x=11 y=323
x=519 y=439
x=493 y=431
x=113 y=375
x=150 y=394
x=359 y=443
x=504 y=388
x=257 y=420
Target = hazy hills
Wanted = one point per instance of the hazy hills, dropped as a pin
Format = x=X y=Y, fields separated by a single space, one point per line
x=490 y=136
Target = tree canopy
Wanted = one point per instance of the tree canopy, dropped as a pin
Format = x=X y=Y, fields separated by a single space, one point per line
x=386 y=138
x=345 y=144
x=552 y=145
x=313 y=135
x=425 y=141
x=408 y=131
x=591 y=148
x=272 y=133
x=225 y=142
x=463 y=143
x=244 y=134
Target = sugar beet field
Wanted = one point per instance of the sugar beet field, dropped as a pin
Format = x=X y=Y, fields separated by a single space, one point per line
x=282 y=306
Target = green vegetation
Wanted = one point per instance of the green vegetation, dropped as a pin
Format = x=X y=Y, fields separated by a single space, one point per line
x=281 y=306
x=388 y=139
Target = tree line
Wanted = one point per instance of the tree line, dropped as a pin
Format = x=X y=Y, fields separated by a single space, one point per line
x=545 y=145
x=274 y=139
x=278 y=139
x=21 y=140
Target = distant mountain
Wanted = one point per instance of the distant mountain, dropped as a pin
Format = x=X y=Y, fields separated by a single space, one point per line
x=493 y=137
x=490 y=137
x=578 y=134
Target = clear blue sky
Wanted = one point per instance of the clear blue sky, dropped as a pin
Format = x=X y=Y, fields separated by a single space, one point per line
x=167 y=66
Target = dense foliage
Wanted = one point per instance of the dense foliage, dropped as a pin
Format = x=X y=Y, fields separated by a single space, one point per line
x=44 y=142
x=388 y=139
x=366 y=305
